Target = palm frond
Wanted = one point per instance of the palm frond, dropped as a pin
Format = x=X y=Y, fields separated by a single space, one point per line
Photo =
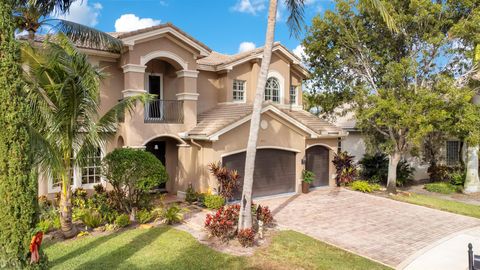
x=387 y=17
x=49 y=6
x=295 y=19
x=87 y=36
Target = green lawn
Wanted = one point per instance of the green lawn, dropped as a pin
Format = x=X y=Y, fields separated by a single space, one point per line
x=441 y=204
x=168 y=248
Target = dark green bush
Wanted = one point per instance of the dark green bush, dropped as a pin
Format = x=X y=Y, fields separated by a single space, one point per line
x=308 y=176
x=374 y=168
x=191 y=196
x=134 y=170
x=173 y=214
x=214 y=201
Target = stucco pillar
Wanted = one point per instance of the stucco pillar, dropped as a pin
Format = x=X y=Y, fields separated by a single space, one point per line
x=187 y=92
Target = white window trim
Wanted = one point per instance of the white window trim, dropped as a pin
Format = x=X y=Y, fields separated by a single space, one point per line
x=147 y=84
x=296 y=95
x=77 y=178
x=244 y=91
x=281 y=80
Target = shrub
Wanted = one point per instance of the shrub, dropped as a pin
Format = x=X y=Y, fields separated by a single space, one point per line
x=173 y=214
x=191 y=196
x=441 y=187
x=374 y=168
x=99 y=189
x=92 y=218
x=246 y=237
x=308 y=176
x=201 y=198
x=457 y=178
x=439 y=173
x=134 y=170
x=213 y=201
x=45 y=225
x=144 y=216
x=227 y=179
x=224 y=222
x=346 y=170
x=122 y=221
x=263 y=214
x=364 y=186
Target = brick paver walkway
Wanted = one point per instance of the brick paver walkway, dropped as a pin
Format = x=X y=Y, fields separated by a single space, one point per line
x=379 y=228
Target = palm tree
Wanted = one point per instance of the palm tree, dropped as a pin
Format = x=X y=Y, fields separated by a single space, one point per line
x=64 y=96
x=295 y=21
x=31 y=16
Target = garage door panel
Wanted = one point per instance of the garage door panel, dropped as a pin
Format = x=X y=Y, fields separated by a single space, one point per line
x=318 y=163
x=274 y=171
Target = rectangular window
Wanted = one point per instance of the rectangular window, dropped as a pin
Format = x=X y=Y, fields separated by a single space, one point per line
x=453 y=153
x=293 y=94
x=91 y=172
x=238 y=90
x=339 y=145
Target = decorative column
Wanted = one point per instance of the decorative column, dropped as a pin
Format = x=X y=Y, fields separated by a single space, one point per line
x=187 y=92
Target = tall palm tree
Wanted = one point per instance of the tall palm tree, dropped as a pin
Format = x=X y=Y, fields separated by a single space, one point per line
x=33 y=15
x=295 y=22
x=65 y=100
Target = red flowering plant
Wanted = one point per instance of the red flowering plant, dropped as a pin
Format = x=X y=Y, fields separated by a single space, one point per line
x=223 y=224
x=246 y=237
x=264 y=214
x=227 y=179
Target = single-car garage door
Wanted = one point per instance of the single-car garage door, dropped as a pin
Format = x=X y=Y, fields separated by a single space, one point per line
x=274 y=171
x=317 y=162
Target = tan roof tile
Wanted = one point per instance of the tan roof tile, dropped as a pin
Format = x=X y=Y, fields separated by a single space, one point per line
x=224 y=115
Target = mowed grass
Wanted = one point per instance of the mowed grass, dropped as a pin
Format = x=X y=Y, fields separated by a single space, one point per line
x=441 y=204
x=168 y=248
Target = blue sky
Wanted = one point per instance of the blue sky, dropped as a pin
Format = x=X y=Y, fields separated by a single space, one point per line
x=221 y=24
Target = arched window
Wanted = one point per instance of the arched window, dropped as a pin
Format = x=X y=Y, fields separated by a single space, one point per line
x=272 y=90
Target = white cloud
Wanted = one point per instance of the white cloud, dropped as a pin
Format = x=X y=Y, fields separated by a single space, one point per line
x=309 y=2
x=83 y=13
x=131 y=22
x=249 y=6
x=299 y=51
x=246 y=46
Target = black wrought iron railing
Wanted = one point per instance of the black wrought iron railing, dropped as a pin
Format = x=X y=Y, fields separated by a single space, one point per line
x=164 y=111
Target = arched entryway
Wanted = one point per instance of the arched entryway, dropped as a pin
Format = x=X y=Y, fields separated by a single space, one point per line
x=275 y=171
x=317 y=158
x=166 y=150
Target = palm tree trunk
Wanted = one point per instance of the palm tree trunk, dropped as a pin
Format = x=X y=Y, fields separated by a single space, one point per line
x=393 y=160
x=245 y=219
x=67 y=227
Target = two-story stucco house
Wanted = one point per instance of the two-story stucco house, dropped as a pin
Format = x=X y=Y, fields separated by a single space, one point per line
x=203 y=110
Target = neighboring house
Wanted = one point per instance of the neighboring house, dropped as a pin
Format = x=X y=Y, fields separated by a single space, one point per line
x=354 y=144
x=202 y=113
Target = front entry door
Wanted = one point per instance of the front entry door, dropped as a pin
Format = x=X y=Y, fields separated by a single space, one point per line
x=318 y=163
x=158 y=149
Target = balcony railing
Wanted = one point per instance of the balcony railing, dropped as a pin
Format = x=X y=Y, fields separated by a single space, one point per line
x=164 y=111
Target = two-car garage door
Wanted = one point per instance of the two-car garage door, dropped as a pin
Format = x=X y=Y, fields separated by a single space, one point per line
x=274 y=171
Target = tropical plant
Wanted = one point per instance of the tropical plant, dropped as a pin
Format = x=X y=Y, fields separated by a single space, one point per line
x=223 y=223
x=442 y=187
x=264 y=215
x=308 y=176
x=173 y=214
x=213 y=201
x=144 y=216
x=345 y=168
x=92 y=218
x=374 y=168
x=132 y=174
x=122 y=220
x=66 y=127
x=227 y=179
x=364 y=186
x=30 y=16
x=246 y=237
x=190 y=195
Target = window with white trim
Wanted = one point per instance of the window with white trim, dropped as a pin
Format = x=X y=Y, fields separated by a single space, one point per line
x=57 y=183
x=272 y=90
x=238 y=90
x=293 y=94
x=91 y=172
x=453 y=152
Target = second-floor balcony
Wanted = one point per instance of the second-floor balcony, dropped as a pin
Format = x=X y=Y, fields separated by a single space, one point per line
x=164 y=111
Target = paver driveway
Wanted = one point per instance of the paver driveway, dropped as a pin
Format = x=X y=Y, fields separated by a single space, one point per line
x=379 y=228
